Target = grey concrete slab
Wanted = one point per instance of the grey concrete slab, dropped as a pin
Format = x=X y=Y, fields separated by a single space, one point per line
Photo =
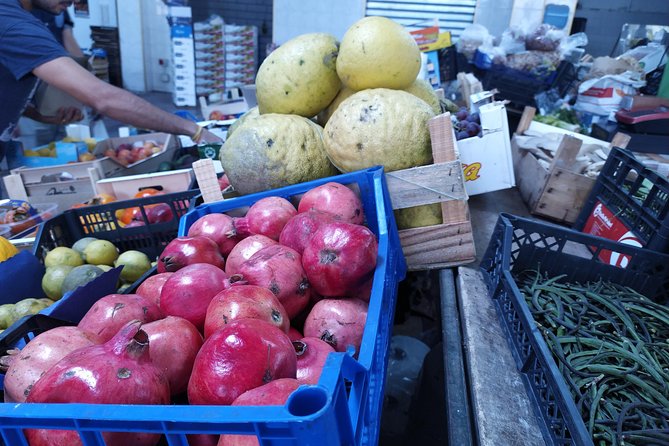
x=502 y=412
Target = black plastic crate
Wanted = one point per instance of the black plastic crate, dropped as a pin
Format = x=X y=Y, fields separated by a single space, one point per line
x=629 y=203
x=520 y=87
x=518 y=244
x=102 y=222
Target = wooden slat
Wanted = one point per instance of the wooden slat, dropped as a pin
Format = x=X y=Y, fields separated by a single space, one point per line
x=565 y=155
x=443 y=150
x=434 y=246
x=564 y=195
x=531 y=177
x=426 y=184
x=526 y=119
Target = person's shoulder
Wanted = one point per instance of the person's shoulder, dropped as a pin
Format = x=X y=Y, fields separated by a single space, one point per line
x=12 y=15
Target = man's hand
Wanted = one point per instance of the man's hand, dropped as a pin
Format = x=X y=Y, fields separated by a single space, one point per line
x=207 y=136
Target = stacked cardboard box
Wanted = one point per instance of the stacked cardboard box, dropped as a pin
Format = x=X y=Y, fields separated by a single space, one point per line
x=210 y=57
x=183 y=55
x=241 y=55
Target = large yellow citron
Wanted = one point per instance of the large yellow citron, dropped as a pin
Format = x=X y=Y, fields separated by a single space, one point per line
x=299 y=77
x=377 y=52
x=274 y=150
x=379 y=126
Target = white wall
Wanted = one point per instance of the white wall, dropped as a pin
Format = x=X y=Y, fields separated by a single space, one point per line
x=102 y=13
x=291 y=18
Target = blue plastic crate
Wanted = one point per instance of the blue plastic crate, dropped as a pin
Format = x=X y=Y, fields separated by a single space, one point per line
x=343 y=409
x=518 y=244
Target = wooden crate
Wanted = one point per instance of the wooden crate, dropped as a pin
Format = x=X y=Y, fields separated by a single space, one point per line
x=452 y=242
x=556 y=192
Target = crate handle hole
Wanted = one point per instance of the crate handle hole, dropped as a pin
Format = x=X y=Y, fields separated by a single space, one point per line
x=307 y=401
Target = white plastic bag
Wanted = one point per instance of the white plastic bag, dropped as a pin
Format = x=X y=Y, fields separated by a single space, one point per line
x=602 y=95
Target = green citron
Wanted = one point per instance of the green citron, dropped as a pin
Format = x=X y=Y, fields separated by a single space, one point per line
x=419 y=216
x=6 y=315
x=63 y=256
x=27 y=307
x=100 y=252
x=135 y=264
x=80 y=276
x=52 y=281
x=250 y=114
x=275 y=150
x=423 y=90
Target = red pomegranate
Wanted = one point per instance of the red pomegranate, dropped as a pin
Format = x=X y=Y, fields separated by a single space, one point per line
x=106 y=317
x=219 y=228
x=339 y=257
x=301 y=227
x=188 y=292
x=184 y=251
x=335 y=199
x=174 y=343
x=273 y=393
x=116 y=372
x=339 y=322
x=244 y=301
x=244 y=250
x=42 y=352
x=266 y=216
x=150 y=289
x=279 y=269
x=311 y=356
x=244 y=354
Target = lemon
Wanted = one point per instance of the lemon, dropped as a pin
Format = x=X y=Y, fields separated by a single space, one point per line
x=324 y=116
x=419 y=216
x=377 y=52
x=105 y=268
x=52 y=282
x=63 y=256
x=100 y=252
x=299 y=77
x=135 y=264
x=82 y=243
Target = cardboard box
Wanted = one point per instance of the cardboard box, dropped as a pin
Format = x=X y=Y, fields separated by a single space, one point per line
x=125 y=188
x=487 y=161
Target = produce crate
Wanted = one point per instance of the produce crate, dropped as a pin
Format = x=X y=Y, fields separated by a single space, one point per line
x=343 y=409
x=518 y=244
x=630 y=204
x=557 y=192
x=41 y=184
x=520 y=87
x=101 y=222
x=451 y=242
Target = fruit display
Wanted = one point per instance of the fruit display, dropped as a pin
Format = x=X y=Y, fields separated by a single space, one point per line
x=128 y=154
x=69 y=268
x=215 y=338
x=371 y=109
x=465 y=124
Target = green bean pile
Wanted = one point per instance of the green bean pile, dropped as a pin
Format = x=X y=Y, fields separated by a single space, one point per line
x=611 y=345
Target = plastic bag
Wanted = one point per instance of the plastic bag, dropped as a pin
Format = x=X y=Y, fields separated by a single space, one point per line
x=570 y=43
x=544 y=38
x=512 y=41
x=471 y=38
x=602 y=96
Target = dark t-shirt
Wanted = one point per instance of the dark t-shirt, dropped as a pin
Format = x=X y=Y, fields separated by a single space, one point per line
x=55 y=23
x=25 y=44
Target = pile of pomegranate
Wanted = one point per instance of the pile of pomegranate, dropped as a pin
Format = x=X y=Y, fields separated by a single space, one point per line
x=241 y=311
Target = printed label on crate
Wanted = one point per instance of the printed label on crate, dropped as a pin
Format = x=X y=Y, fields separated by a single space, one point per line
x=603 y=223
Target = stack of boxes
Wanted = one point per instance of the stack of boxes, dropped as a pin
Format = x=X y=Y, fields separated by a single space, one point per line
x=210 y=58
x=183 y=56
x=241 y=55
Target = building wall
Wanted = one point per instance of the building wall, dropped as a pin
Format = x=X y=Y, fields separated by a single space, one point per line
x=235 y=12
x=605 y=19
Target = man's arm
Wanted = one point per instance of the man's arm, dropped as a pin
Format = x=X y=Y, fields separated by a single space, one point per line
x=119 y=104
x=70 y=43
